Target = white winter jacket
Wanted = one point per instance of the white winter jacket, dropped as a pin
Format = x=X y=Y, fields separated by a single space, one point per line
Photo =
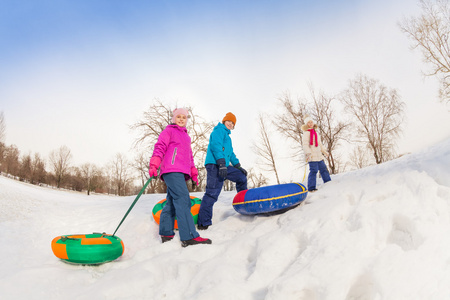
x=315 y=152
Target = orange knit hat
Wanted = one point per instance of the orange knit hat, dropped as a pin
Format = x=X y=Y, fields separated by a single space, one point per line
x=229 y=117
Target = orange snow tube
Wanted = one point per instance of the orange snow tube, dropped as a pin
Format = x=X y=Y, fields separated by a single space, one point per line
x=89 y=249
x=195 y=208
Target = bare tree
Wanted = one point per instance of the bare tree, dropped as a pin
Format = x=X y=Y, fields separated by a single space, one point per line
x=74 y=180
x=155 y=120
x=25 y=169
x=331 y=130
x=120 y=171
x=2 y=127
x=201 y=178
x=263 y=148
x=379 y=113
x=11 y=162
x=199 y=130
x=141 y=165
x=228 y=185
x=91 y=177
x=289 y=122
x=2 y=140
x=430 y=33
x=2 y=156
x=60 y=163
x=256 y=180
x=359 y=157
x=320 y=107
x=38 y=173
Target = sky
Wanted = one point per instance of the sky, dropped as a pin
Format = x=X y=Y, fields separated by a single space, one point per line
x=79 y=73
x=377 y=233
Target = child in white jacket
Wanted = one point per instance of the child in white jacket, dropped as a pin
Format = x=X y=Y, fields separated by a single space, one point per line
x=314 y=151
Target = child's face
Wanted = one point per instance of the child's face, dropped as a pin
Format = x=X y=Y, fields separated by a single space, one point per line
x=229 y=125
x=310 y=124
x=181 y=120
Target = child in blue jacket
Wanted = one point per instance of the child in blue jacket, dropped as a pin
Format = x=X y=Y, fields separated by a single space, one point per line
x=218 y=158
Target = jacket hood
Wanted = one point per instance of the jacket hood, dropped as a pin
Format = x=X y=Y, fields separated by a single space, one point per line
x=175 y=126
x=221 y=126
x=305 y=127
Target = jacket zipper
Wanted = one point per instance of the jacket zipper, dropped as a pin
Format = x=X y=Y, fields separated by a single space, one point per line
x=174 y=155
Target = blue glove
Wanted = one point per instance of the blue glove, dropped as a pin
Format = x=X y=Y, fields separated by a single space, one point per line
x=238 y=166
x=222 y=168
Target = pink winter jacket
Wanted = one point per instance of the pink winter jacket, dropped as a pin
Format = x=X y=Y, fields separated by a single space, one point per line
x=174 y=149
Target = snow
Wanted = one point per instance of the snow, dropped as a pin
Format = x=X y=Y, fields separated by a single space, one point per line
x=377 y=233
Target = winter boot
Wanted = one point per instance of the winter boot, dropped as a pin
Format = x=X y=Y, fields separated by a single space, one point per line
x=197 y=240
x=166 y=238
x=201 y=227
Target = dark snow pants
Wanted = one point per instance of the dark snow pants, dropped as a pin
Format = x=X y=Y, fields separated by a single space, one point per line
x=214 y=186
x=178 y=205
x=314 y=167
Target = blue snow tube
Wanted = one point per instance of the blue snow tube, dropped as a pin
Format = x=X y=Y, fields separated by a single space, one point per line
x=269 y=199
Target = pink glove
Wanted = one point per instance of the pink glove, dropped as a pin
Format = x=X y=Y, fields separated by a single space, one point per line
x=194 y=175
x=153 y=172
x=155 y=161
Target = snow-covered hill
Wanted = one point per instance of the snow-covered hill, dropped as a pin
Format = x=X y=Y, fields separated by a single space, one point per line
x=378 y=233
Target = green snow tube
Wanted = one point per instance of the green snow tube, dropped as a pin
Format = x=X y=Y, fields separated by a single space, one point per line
x=88 y=249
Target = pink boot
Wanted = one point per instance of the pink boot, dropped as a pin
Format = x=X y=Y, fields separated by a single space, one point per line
x=197 y=240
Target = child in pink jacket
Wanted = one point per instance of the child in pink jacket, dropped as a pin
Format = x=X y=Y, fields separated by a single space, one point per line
x=173 y=155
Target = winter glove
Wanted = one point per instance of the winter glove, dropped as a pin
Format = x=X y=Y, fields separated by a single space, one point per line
x=238 y=166
x=153 y=172
x=194 y=175
x=223 y=172
x=155 y=161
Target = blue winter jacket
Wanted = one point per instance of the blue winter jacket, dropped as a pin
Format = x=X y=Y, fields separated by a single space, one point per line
x=220 y=146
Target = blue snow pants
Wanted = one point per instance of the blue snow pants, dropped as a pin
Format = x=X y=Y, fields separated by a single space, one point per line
x=214 y=186
x=178 y=205
x=314 y=167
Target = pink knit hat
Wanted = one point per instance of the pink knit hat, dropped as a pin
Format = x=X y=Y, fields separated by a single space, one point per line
x=179 y=111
